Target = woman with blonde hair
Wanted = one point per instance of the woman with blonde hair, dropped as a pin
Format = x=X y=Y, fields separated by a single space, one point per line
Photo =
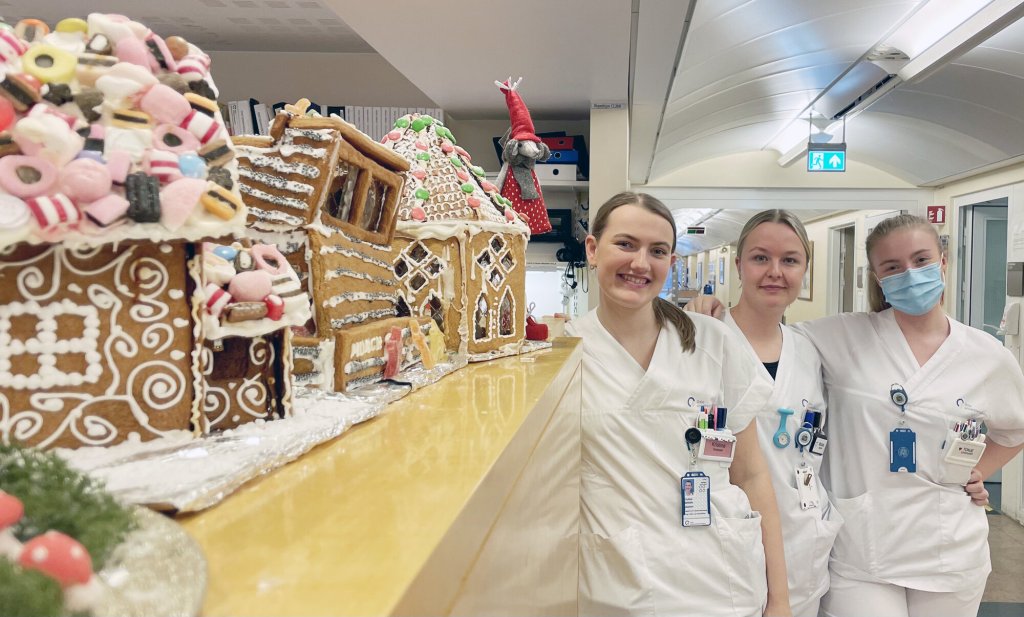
x=678 y=512
x=772 y=256
x=909 y=390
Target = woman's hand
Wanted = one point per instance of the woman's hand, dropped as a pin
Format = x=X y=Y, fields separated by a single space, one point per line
x=976 y=489
x=706 y=305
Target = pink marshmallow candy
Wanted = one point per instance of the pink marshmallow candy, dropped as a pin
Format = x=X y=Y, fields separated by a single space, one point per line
x=119 y=162
x=251 y=286
x=106 y=210
x=165 y=104
x=131 y=49
x=85 y=180
x=178 y=199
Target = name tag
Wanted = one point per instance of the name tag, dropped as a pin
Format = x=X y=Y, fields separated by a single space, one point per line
x=717 y=446
x=695 y=487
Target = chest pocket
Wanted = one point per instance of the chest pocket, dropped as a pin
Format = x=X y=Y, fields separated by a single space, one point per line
x=933 y=424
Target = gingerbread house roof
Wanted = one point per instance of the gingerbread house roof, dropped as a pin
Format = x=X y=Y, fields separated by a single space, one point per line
x=103 y=143
x=287 y=176
x=443 y=184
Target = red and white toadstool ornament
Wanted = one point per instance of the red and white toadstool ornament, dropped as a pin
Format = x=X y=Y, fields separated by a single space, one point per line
x=11 y=511
x=65 y=560
x=517 y=179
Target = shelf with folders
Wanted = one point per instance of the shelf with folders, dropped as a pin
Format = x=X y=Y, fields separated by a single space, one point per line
x=251 y=117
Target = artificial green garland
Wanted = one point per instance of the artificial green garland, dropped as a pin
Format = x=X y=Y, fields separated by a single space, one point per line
x=59 y=498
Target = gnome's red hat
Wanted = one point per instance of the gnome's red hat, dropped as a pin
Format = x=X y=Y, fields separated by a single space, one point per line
x=519 y=115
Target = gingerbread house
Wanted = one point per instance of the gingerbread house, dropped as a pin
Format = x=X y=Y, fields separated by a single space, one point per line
x=393 y=257
x=461 y=249
x=116 y=321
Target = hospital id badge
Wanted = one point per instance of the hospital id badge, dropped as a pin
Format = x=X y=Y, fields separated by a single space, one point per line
x=695 y=487
x=806 y=486
x=902 y=450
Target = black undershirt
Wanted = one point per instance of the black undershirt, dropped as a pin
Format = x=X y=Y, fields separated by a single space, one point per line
x=773 y=367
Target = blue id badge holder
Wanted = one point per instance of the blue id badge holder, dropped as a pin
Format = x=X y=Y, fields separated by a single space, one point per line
x=695 y=486
x=902 y=439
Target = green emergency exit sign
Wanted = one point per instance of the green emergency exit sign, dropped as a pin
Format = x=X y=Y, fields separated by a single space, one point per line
x=826 y=157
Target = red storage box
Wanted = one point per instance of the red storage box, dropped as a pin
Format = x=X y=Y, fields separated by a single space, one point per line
x=558 y=143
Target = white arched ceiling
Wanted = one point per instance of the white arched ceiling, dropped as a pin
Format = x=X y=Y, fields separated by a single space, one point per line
x=748 y=70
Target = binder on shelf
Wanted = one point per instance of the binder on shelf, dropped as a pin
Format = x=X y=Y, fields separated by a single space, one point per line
x=555 y=172
x=562 y=156
x=558 y=143
x=336 y=110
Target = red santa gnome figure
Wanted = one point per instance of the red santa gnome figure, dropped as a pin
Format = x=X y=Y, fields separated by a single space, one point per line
x=521 y=151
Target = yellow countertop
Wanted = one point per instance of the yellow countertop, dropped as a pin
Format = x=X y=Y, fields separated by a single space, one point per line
x=348 y=528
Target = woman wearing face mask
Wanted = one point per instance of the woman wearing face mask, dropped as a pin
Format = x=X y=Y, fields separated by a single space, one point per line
x=908 y=391
x=670 y=524
x=771 y=258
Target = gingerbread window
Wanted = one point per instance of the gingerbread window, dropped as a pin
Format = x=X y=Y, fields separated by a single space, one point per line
x=362 y=199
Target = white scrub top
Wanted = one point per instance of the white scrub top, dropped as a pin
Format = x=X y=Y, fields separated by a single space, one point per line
x=910 y=529
x=635 y=556
x=807 y=535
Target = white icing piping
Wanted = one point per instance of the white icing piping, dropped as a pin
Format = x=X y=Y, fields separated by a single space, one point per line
x=277 y=200
x=276 y=163
x=359 y=317
x=339 y=272
x=324 y=250
x=277 y=182
x=358 y=296
x=280 y=217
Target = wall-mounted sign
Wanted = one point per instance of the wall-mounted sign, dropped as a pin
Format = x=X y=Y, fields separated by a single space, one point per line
x=826 y=157
x=937 y=214
x=695 y=231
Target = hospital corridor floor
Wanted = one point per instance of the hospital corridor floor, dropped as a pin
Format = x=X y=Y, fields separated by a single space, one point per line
x=1004 y=593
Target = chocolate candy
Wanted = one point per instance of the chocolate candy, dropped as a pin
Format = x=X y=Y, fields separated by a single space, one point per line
x=58 y=94
x=89 y=100
x=178 y=47
x=202 y=88
x=143 y=193
x=174 y=82
x=246 y=311
x=221 y=176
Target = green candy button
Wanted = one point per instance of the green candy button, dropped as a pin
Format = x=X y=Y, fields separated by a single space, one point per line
x=402 y=123
x=479 y=171
x=423 y=156
x=423 y=194
x=456 y=161
x=418 y=124
x=467 y=188
x=429 y=120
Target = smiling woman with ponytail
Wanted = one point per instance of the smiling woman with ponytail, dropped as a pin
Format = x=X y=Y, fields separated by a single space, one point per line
x=650 y=375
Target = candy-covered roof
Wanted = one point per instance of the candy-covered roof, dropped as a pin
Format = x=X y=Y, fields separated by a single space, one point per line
x=110 y=133
x=443 y=183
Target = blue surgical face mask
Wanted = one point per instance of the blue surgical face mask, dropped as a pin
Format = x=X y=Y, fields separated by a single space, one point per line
x=915 y=291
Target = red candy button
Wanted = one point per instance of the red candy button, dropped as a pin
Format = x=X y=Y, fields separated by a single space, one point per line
x=6 y=114
x=510 y=215
x=488 y=187
x=473 y=202
x=419 y=174
x=462 y=175
x=446 y=148
x=418 y=214
x=394 y=135
x=420 y=145
x=463 y=152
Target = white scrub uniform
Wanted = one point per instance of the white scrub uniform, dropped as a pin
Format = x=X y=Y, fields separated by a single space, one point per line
x=912 y=530
x=636 y=558
x=808 y=534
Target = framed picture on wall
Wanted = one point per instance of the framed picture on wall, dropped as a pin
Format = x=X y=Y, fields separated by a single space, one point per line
x=721 y=270
x=807 y=286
